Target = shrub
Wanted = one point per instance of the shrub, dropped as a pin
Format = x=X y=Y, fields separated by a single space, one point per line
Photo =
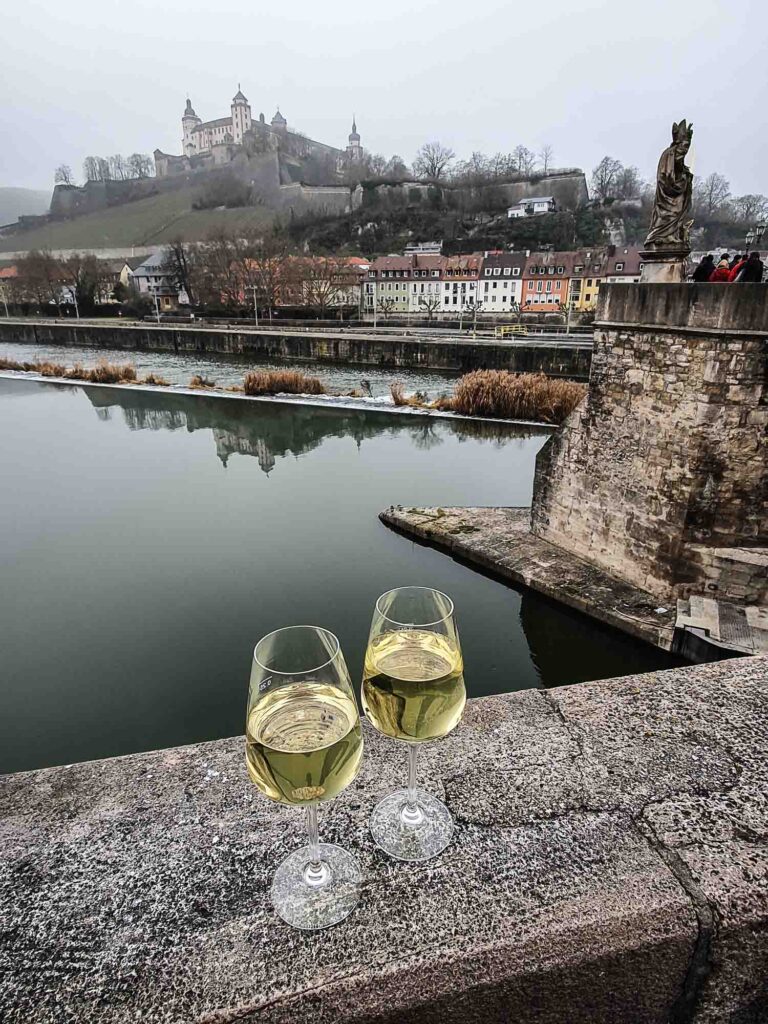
x=10 y=364
x=51 y=369
x=153 y=378
x=111 y=373
x=275 y=382
x=396 y=390
x=529 y=396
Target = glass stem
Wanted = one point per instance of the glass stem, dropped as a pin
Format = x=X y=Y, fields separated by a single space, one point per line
x=316 y=872
x=411 y=814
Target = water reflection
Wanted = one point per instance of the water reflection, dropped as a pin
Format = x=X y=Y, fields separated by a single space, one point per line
x=272 y=431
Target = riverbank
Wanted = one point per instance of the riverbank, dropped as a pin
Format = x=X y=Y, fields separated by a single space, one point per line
x=555 y=356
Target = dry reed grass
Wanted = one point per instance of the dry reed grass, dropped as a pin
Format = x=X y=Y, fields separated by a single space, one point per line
x=526 y=396
x=275 y=382
x=102 y=373
x=156 y=380
x=198 y=381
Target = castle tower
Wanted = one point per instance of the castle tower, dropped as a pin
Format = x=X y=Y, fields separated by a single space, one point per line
x=354 y=149
x=241 y=115
x=278 y=122
x=189 y=122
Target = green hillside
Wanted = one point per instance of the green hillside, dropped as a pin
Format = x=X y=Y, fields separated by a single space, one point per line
x=15 y=202
x=146 y=222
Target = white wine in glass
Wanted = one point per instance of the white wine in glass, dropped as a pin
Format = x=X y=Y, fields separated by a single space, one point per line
x=413 y=690
x=304 y=745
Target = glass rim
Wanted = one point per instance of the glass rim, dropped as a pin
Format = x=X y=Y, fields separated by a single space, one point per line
x=432 y=590
x=303 y=672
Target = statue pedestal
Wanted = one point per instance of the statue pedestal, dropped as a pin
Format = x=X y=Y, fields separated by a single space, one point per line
x=663 y=266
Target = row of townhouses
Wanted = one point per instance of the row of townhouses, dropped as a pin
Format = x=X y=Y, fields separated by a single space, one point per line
x=496 y=282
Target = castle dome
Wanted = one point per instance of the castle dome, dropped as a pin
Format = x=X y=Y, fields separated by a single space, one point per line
x=238 y=97
x=188 y=111
x=354 y=136
x=278 y=118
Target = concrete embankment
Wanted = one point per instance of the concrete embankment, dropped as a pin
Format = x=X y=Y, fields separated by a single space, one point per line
x=557 y=356
x=608 y=866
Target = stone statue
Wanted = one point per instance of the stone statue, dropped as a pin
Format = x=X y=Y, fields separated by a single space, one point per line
x=670 y=222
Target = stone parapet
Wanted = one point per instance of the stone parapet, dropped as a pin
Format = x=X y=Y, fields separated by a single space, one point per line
x=665 y=463
x=609 y=865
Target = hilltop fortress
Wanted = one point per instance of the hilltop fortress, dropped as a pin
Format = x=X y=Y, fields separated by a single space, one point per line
x=238 y=139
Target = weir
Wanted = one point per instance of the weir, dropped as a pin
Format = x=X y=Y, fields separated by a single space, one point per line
x=554 y=355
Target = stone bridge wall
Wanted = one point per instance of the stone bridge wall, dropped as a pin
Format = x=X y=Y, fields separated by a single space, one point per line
x=660 y=476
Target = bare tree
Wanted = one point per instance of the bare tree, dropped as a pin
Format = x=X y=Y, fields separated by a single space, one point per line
x=432 y=160
x=429 y=304
x=40 y=276
x=141 y=165
x=386 y=307
x=750 y=208
x=118 y=168
x=711 y=193
x=63 y=175
x=396 y=167
x=91 y=168
x=105 y=173
x=267 y=269
x=180 y=266
x=545 y=157
x=628 y=183
x=325 y=281
x=604 y=178
x=525 y=160
x=85 y=277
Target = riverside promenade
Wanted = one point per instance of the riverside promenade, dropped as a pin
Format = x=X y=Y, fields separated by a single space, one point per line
x=566 y=355
x=610 y=864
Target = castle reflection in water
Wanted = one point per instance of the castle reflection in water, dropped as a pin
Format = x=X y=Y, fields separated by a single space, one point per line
x=269 y=431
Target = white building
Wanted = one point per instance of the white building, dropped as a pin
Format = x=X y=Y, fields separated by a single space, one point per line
x=532 y=206
x=501 y=281
x=200 y=136
x=460 y=283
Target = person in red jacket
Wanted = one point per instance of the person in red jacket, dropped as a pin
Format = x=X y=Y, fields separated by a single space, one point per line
x=721 y=273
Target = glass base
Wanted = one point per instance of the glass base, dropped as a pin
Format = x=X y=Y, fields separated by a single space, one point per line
x=408 y=833
x=316 y=896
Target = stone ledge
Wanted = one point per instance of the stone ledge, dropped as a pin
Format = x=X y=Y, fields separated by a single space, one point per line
x=500 y=541
x=609 y=865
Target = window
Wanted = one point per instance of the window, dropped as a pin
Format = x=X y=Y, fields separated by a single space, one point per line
x=578 y=268
x=551 y=270
x=516 y=272
x=533 y=270
x=619 y=266
x=506 y=271
x=495 y=283
x=588 y=297
x=538 y=286
x=435 y=273
x=530 y=285
x=589 y=282
x=497 y=271
x=595 y=266
x=486 y=286
x=487 y=271
x=561 y=270
x=549 y=286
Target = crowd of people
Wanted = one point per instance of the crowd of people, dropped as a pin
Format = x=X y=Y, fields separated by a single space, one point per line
x=741 y=268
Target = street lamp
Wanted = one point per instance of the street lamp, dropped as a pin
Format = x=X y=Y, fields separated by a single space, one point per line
x=255 y=307
x=755 y=234
x=153 y=289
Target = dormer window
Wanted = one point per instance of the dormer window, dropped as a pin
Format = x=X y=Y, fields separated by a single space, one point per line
x=619 y=266
x=487 y=271
x=506 y=271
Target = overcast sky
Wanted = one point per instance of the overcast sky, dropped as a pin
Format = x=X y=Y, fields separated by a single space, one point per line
x=588 y=77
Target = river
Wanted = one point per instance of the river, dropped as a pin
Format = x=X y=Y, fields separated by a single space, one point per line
x=148 y=540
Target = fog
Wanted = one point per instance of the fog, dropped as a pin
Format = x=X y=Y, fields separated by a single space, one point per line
x=589 y=78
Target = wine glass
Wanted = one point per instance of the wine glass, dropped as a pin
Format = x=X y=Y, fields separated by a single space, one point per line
x=413 y=690
x=303 y=745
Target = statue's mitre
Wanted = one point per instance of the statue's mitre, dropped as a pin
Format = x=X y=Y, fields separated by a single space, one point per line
x=682 y=131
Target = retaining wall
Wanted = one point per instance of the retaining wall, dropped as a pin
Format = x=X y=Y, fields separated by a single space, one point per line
x=661 y=475
x=566 y=359
x=609 y=865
